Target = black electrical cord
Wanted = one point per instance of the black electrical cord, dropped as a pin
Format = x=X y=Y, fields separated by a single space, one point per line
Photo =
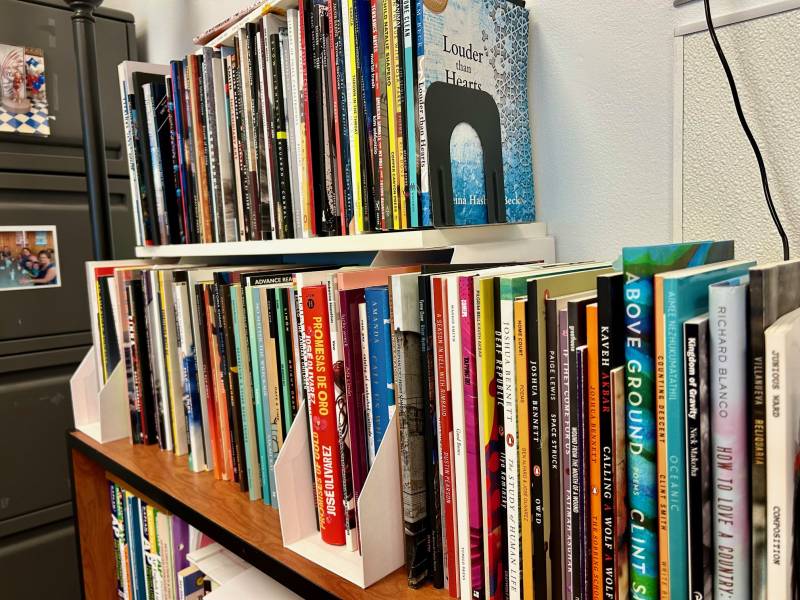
x=747 y=132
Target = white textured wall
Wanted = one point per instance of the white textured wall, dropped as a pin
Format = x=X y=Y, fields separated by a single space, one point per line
x=601 y=82
x=722 y=193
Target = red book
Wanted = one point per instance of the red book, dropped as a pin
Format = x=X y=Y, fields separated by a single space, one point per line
x=440 y=341
x=324 y=431
x=312 y=220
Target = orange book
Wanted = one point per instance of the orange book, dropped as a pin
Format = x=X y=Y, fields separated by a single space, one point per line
x=211 y=390
x=226 y=455
x=595 y=481
x=661 y=437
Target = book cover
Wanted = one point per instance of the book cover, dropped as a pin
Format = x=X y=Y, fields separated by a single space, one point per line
x=727 y=309
x=484 y=47
x=611 y=357
x=639 y=266
x=698 y=456
x=324 y=433
x=678 y=296
x=774 y=291
x=782 y=348
x=411 y=414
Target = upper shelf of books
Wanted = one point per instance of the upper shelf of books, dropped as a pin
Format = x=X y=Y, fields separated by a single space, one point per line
x=412 y=239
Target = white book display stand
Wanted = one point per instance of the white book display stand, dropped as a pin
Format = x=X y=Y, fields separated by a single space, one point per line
x=103 y=413
x=380 y=511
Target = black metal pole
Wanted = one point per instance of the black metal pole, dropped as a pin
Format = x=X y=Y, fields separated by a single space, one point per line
x=94 y=151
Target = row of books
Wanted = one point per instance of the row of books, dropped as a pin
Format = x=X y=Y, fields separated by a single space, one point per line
x=315 y=119
x=566 y=431
x=150 y=550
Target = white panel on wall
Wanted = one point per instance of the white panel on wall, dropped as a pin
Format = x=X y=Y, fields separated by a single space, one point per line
x=721 y=190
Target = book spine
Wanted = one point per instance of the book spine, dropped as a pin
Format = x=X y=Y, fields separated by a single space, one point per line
x=410 y=110
x=249 y=132
x=227 y=204
x=278 y=408
x=568 y=550
x=133 y=368
x=177 y=413
x=184 y=191
x=387 y=67
x=117 y=531
x=761 y=290
x=523 y=448
x=293 y=79
x=594 y=459
x=366 y=374
x=445 y=435
x=324 y=436
x=203 y=352
x=573 y=383
x=255 y=330
x=261 y=119
x=174 y=177
x=430 y=431
x=193 y=175
x=190 y=388
x=492 y=442
x=698 y=456
x=287 y=394
x=220 y=377
x=554 y=428
x=506 y=383
x=354 y=138
x=230 y=378
x=242 y=204
x=469 y=372
x=426 y=214
x=379 y=83
x=396 y=9
x=459 y=450
x=380 y=360
x=661 y=435
x=339 y=113
x=155 y=161
x=728 y=347
x=280 y=141
x=781 y=449
x=306 y=56
x=215 y=181
x=536 y=411
x=640 y=418
x=195 y=114
x=130 y=150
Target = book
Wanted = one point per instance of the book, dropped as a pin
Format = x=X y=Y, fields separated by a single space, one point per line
x=698 y=456
x=727 y=309
x=380 y=360
x=782 y=345
x=594 y=461
x=773 y=293
x=324 y=434
x=639 y=267
x=678 y=296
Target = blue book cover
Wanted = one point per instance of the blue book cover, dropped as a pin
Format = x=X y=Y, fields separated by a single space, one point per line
x=380 y=359
x=684 y=296
x=255 y=331
x=639 y=266
x=479 y=45
x=410 y=84
x=134 y=539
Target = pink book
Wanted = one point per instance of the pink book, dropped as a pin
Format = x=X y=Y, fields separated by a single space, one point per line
x=465 y=297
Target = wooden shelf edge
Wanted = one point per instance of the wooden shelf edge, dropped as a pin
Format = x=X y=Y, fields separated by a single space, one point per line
x=416 y=239
x=246 y=551
x=286 y=567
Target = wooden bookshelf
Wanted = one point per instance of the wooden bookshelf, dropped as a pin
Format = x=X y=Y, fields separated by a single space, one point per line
x=218 y=508
x=414 y=239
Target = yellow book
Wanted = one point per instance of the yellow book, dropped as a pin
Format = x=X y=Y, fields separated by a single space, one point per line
x=397 y=107
x=523 y=447
x=661 y=438
x=170 y=366
x=391 y=78
x=355 y=132
x=101 y=329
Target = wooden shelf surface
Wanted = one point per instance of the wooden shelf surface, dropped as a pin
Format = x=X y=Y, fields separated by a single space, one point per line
x=219 y=509
x=415 y=239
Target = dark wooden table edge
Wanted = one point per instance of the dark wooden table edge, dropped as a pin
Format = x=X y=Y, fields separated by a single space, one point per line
x=265 y=563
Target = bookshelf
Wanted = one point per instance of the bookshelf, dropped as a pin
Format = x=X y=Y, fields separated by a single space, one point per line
x=249 y=529
x=417 y=239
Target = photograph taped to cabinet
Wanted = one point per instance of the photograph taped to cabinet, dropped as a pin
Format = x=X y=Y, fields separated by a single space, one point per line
x=28 y=257
x=23 y=93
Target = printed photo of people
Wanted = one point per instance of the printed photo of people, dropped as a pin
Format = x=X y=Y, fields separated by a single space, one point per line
x=28 y=257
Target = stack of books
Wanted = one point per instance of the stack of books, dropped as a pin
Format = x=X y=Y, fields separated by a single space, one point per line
x=151 y=548
x=309 y=119
x=565 y=430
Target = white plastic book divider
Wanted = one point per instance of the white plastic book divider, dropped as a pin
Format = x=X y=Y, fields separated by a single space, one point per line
x=380 y=513
x=102 y=413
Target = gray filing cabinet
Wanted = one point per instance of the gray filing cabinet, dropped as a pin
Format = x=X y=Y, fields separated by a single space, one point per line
x=44 y=333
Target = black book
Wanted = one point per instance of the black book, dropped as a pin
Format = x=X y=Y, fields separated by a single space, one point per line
x=139 y=117
x=362 y=41
x=554 y=426
x=258 y=185
x=308 y=70
x=273 y=325
x=499 y=417
x=240 y=150
x=189 y=149
x=173 y=179
x=166 y=172
x=536 y=427
x=142 y=401
x=151 y=328
x=579 y=472
x=285 y=350
x=343 y=134
x=611 y=348
x=179 y=100
x=698 y=457
x=107 y=326
x=283 y=209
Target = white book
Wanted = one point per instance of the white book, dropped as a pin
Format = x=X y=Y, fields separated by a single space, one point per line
x=230 y=229
x=165 y=551
x=783 y=444
x=212 y=155
x=363 y=330
x=130 y=148
x=459 y=451
x=727 y=318
x=290 y=108
x=298 y=112
x=155 y=346
x=186 y=357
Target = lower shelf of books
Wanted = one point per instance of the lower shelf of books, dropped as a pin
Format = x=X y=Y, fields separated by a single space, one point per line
x=217 y=508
